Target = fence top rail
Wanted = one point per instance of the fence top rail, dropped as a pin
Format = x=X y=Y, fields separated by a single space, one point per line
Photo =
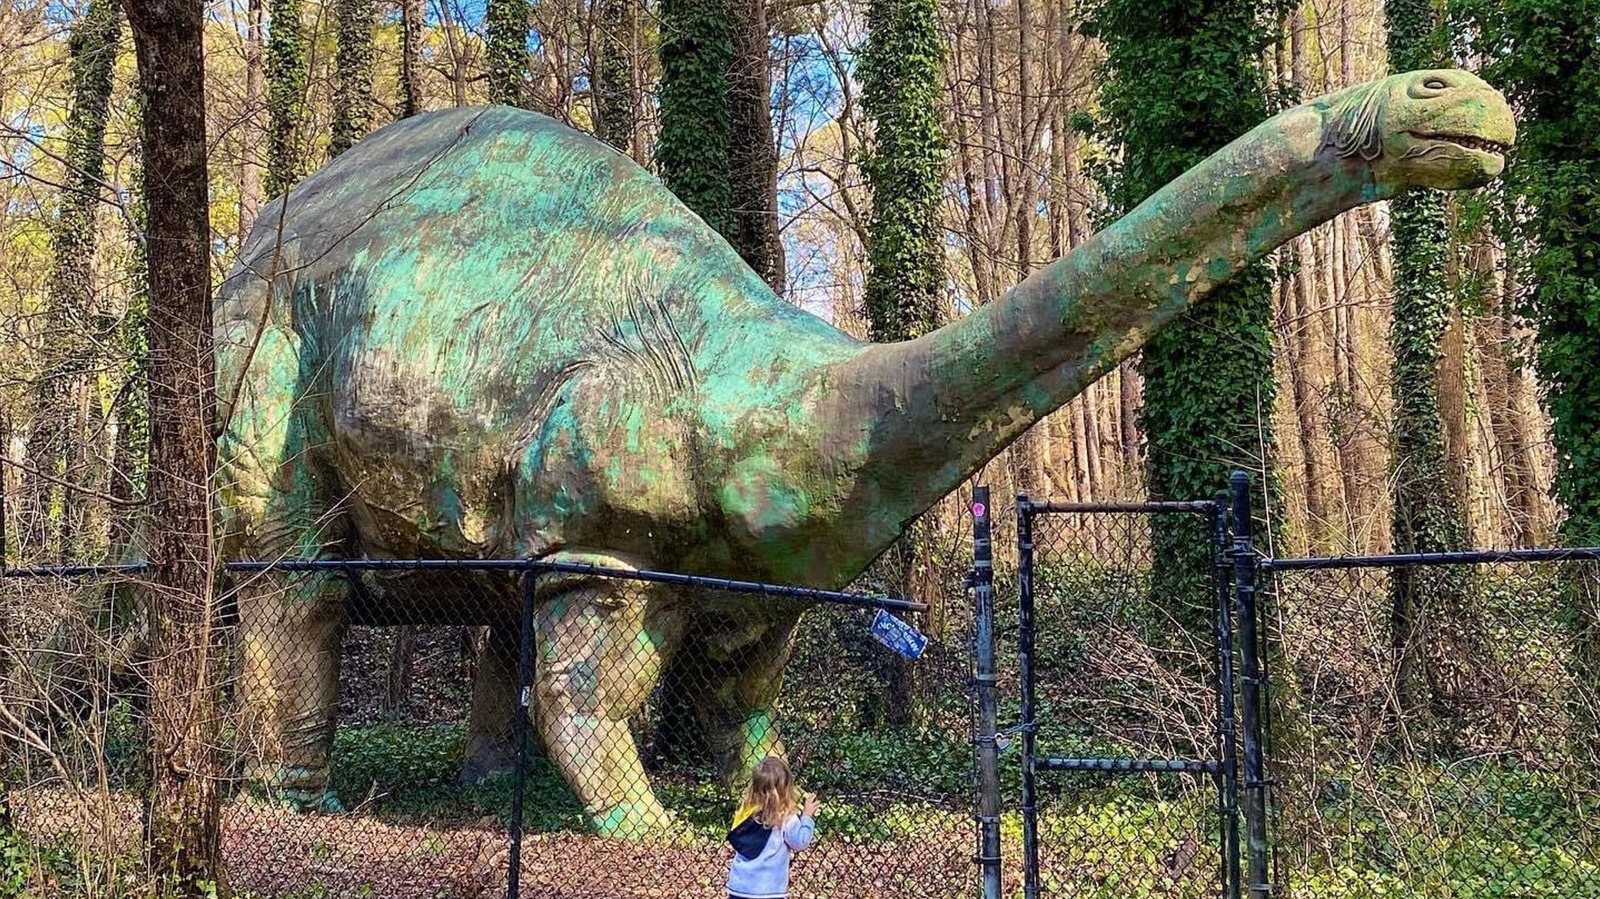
x=1036 y=507
x=65 y=571
x=786 y=591
x=1412 y=560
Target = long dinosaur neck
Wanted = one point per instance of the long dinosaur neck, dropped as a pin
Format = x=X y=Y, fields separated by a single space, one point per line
x=906 y=423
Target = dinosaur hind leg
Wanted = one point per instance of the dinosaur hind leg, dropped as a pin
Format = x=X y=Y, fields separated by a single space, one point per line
x=735 y=709
x=490 y=750
x=601 y=648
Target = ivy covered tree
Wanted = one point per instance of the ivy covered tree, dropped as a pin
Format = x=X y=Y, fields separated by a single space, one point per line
x=412 y=19
x=352 y=88
x=506 y=25
x=1551 y=68
x=54 y=452
x=905 y=291
x=286 y=95
x=696 y=122
x=614 y=90
x=1545 y=54
x=1429 y=625
x=1180 y=80
x=900 y=88
x=716 y=150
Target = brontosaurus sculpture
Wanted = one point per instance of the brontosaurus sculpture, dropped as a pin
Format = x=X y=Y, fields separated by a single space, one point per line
x=481 y=334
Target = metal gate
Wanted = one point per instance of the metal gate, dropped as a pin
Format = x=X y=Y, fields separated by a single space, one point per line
x=1234 y=760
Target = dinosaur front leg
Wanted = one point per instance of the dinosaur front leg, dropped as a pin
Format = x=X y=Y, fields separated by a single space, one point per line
x=291 y=625
x=601 y=647
x=276 y=503
x=736 y=708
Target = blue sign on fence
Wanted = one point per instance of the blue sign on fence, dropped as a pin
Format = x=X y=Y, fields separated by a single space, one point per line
x=898 y=636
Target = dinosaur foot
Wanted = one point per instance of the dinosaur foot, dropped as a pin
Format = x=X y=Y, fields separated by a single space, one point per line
x=303 y=790
x=312 y=802
x=644 y=820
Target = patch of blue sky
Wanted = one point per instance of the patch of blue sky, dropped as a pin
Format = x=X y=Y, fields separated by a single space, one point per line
x=807 y=96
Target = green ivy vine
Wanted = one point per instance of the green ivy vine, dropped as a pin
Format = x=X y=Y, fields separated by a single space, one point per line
x=900 y=87
x=1181 y=79
x=696 y=118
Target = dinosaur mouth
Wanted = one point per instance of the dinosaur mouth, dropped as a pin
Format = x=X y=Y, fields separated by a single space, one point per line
x=1469 y=142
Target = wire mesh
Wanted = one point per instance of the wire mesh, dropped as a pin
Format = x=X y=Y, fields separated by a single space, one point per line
x=1435 y=730
x=369 y=741
x=1120 y=673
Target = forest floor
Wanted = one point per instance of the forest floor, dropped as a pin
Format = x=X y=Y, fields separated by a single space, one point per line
x=272 y=852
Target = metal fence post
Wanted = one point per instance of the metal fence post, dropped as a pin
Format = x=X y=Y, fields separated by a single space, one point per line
x=984 y=683
x=1025 y=637
x=1228 y=776
x=519 y=730
x=1244 y=590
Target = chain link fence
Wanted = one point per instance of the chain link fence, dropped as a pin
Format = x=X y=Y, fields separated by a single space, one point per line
x=1435 y=726
x=1431 y=723
x=374 y=730
x=1122 y=683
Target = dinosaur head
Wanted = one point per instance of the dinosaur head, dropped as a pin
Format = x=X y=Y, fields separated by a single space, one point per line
x=1439 y=128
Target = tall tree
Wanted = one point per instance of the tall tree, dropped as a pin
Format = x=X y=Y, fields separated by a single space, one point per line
x=411 y=22
x=506 y=44
x=1427 y=510
x=716 y=150
x=1552 y=70
x=900 y=81
x=1549 y=62
x=54 y=452
x=182 y=805
x=900 y=73
x=286 y=95
x=614 y=91
x=694 y=151
x=352 y=87
x=1182 y=78
x=251 y=130
x=752 y=153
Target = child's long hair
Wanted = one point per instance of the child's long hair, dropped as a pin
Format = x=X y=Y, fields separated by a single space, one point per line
x=771 y=792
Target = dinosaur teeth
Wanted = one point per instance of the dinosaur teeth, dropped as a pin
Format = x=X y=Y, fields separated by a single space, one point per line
x=1480 y=144
x=1470 y=142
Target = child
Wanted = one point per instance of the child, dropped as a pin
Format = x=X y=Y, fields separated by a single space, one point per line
x=766 y=831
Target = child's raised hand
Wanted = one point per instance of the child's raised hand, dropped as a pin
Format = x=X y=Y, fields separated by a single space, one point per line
x=812 y=804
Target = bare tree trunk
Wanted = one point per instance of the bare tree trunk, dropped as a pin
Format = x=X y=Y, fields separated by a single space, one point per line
x=1453 y=416
x=1128 y=380
x=251 y=131
x=182 y=807
x=982 y=281
x=752 y=151
x=1299 y=336
x=397 y=673
x=1509 y=428
x=1026 y=134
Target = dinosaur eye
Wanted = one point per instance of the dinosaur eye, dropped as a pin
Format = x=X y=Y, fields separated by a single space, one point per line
x=1435 y=84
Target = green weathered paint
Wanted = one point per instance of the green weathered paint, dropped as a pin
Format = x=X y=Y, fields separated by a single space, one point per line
x=494 y=336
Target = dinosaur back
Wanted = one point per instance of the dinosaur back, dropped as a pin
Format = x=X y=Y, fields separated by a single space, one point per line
x=470 y=291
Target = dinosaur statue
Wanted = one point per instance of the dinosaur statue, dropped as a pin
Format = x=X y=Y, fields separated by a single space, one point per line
x=480 y=334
